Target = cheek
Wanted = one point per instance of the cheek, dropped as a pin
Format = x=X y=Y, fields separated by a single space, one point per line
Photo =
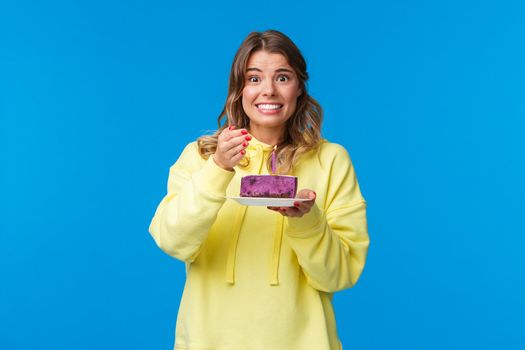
x=292 y=93
x=291 y=97
x=248 y=95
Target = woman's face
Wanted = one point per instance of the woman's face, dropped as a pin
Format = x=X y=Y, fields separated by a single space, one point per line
x=269 y=97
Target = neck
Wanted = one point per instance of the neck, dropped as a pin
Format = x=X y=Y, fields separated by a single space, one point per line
x=268 y=136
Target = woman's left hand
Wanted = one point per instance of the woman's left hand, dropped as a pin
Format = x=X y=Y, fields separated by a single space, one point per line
x=300 y=208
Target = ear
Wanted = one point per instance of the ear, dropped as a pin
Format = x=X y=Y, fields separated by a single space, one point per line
x=299 y=92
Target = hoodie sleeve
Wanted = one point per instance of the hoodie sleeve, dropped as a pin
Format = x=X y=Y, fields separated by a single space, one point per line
x=331 y=244
x=196 y=190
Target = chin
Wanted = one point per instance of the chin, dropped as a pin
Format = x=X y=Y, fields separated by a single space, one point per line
x=264 y=122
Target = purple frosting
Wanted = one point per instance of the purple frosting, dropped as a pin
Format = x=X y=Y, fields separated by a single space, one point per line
x=274 y=186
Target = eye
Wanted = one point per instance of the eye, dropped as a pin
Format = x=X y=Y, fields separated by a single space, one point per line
x=253 y=79
x=283 y=78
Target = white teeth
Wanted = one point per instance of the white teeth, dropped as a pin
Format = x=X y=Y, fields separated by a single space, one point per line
x=269 y=106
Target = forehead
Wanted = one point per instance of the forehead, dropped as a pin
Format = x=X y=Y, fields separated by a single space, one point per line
x=267 y=61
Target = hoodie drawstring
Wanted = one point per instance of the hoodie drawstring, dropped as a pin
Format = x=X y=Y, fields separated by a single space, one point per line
x=276 y=254
x=232 y=253
x=278 y=235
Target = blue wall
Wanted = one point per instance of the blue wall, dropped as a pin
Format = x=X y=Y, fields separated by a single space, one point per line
x=97 y=99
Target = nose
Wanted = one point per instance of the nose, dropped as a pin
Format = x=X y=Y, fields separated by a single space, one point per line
x=268 y=88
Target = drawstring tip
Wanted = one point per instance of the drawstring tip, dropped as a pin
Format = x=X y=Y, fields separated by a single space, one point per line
x=230 y=276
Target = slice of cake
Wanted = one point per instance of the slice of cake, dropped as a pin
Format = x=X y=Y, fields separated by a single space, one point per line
x=269 y=186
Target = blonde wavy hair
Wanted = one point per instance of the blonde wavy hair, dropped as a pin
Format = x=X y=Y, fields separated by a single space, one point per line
x=303 y=130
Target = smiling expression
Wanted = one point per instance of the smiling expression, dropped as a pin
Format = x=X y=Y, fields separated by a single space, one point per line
x=271 y=88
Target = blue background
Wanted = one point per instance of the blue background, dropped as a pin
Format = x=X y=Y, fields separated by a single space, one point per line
x=97 y=99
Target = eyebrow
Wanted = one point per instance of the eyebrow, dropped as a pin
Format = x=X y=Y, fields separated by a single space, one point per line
x=279 y=70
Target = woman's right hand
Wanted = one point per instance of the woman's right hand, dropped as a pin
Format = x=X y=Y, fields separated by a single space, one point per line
x=231 y=146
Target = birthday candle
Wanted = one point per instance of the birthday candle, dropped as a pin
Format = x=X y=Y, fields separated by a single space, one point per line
x=273 y=159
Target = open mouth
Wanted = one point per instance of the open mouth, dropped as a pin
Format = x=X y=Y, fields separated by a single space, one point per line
x=269 y=107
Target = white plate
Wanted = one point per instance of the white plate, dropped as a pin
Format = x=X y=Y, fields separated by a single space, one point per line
x=268 y=202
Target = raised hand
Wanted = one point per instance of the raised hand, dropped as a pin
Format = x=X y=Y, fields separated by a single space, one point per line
x=231 y=146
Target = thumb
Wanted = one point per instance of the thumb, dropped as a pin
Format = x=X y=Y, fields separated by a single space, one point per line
x=306 y=193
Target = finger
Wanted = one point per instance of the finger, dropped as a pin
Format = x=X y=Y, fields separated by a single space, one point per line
x=236 y=157
x=291 y=211
x=224 y=146
x=239 y=149
x=234 y=139
x=303 y=207
x=240 y=138
x=228 y=134
x=226 y=131
x=283 y=211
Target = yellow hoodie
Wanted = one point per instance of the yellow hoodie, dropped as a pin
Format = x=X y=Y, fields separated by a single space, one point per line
x=255 y=279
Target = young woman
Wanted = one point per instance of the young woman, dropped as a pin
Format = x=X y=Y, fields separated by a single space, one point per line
x=263 y=277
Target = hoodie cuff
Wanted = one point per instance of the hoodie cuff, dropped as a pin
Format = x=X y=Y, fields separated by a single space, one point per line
x=213 y=179
x=308 y=225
